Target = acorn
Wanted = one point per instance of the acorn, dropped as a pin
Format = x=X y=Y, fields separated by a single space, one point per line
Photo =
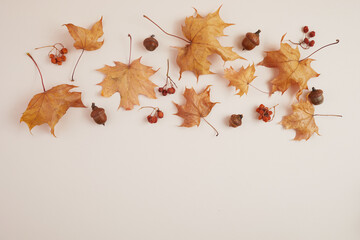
x=235 y=120
x=150 y=43
x=316 y=96
x=251 y=40
x=98 y=114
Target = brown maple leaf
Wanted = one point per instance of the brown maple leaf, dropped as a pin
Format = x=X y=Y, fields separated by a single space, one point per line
x=240 y=79
x=292 y=70
x=130 y=80
x=197 y=107
x=201 y=35
x=86 y=39
x=301 y=120
x=49 y=106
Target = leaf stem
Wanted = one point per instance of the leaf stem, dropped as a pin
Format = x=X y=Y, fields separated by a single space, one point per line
x=258 y=89
x=72 y=76
x=217 y=133
x=327 y=45
x=130 y=48
x=42 y=80
x=327 y=115
x=165 y=31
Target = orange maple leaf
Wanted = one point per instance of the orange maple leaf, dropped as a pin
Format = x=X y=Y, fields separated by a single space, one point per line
x=86 y=39
x=240 y=79
x=292 y=70
x=197 y=107
x=130 y=80
x=302 y=120
x=49 y=106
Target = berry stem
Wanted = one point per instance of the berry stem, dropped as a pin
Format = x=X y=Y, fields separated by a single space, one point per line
x=168 y=77
x=274 y=107
x=165 y=31
x=217 y=133
x=42 y=80
x=72 y=76
x=327 y=45
x=130 y=48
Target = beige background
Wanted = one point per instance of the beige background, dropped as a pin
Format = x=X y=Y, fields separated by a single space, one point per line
x=132 y=180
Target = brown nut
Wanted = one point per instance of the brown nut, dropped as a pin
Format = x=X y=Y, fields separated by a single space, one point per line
x=151 y=43
x=98 y=114
x=251 y=40
x=316 y=96
x=235 y=120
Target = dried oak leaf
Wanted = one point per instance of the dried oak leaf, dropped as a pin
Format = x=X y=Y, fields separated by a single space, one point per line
x=302 y=120
x=240 y=79
x=49 y=106
x=197 y=106
x=292 y=70
x=86 y=39
x=201 y=33
x=129 y=80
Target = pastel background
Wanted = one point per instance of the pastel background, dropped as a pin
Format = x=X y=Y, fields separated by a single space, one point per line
x=132 y=180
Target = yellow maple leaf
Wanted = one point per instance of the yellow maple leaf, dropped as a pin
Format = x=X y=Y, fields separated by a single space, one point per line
x=301 y=120
x=292 y=70
x=201 y=33
x=86 y=39
x=240 y=79
x=130 y=80
x=49 y=106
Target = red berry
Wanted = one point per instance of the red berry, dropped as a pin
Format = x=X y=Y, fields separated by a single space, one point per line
x=312 y=34
x=306 y=40
x=51 y=56
x=160 y=114
x=311 y=43
x=64 y=51
x=305 y=29
x=53 y=60
x=59 y=63
x=171 y=90
x=160 y=89
x=149 y=118
x=164 y=92
x=154 y=119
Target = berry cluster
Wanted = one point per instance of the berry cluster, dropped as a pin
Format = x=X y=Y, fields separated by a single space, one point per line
x=308 y=43
x=264 y=113
x=57 y=53
x=165 y=90
x=154 y=115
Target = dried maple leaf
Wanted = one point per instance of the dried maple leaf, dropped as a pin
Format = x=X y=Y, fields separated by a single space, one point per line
x=197 y=107
x=292 y=70
x=130 y=80
x=49 y=106
x=86 y=39
x=240 y=79
x=201 y=33
x=302 y=120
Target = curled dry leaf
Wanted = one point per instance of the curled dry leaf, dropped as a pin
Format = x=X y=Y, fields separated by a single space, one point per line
x=129 y=80
x=197 y=106
x=49 y=106
x=86 y=39
x=240 y=79
x=201 y=33
x=292 y=70
x=301 y=120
